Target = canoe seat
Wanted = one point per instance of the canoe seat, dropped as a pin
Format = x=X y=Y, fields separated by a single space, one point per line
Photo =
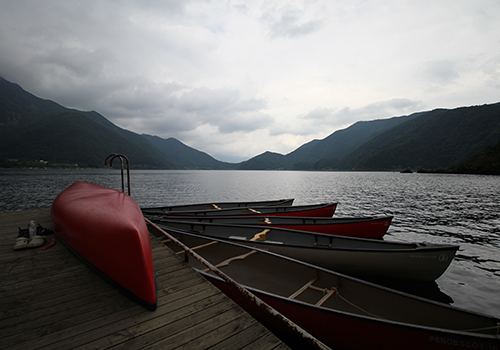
x=234 y=258
x=260 y=236
x=199 y=247
x=327 y=293
x=323 y=241
x=303 y=288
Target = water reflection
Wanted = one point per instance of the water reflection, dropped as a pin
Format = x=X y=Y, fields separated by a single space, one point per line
x=428 y=290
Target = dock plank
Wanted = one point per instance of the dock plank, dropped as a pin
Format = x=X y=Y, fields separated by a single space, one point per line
x=254 y=336
x=52 y=300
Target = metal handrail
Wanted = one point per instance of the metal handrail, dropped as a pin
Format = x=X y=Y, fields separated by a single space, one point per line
x=121 y=157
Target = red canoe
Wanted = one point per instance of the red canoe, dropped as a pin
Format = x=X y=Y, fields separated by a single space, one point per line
x=106 y=229
x=371 y=227
x=312 y=210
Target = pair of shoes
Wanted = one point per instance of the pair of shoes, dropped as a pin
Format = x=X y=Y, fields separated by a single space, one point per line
x=24 y=233
x=36 y=241
x=23 y=242
x=42 y=231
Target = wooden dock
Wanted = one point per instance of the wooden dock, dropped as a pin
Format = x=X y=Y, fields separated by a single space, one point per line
x=50 y=299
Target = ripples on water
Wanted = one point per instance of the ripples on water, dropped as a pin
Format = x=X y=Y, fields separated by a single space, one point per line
x=454 y=209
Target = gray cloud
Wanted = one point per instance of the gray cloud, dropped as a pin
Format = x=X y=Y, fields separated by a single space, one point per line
x=74 y=62
x=224 y=109
x=289 y=25
x=318 y=114
x=332 y=119
x=491 y=69
x=380 y=110
x=171 y=108
x=289 y=22
x=440 y=72
x=240 y=78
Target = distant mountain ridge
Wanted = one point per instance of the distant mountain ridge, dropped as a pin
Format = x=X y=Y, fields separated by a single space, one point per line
x=32 y=129
x=440 y=138
x=334 y=147
x=187 y=156
x=435 y=139
x=37 y=129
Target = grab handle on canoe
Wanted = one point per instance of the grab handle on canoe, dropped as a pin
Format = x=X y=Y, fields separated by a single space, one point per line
x=121 y=157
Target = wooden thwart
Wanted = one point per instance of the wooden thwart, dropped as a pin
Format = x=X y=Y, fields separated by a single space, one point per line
x=197 y=247
x=328 y=295
x=303 y=289
x=230 y=260
x=261 y=235
x=309 y=285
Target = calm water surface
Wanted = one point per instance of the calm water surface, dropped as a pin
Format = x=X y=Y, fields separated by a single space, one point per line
x=454 y=209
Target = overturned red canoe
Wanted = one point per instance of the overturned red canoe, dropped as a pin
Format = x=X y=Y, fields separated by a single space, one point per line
x=106 y=229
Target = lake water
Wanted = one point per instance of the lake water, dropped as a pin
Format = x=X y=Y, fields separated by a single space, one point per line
x=454 y=209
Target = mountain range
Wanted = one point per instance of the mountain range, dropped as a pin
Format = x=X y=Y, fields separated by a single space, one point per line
x=34 y=129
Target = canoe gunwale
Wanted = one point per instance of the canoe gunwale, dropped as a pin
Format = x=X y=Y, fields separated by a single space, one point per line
x=406 y=247
x=364 y=227
x=291 y=325
x=334 y=221
x=350 y=255
x=417 y=249
x=214 y=205
x=444 y=331
x=426 y=329
x=254 y=210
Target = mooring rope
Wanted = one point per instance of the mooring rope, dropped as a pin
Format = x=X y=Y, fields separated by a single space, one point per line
x=337 y=294
x=497 y=327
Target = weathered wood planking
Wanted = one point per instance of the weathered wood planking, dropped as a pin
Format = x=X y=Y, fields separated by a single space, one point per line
x=52 y=300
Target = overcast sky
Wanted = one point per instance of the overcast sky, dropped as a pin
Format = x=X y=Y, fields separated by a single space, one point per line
x=238 y=78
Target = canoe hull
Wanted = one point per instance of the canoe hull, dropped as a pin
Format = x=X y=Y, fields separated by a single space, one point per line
x=367 y=227
x=221 y=205
x=344 y=331
x=106 y=229
x=314 y=210
x=340 y=311
x=373 y=229
x=417 y=265
x=353 y=256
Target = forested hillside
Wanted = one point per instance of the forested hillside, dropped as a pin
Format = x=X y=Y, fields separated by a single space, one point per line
x=437 y=139
x=185 y=155
x=440 y=138
x=463 y=139
x=484 y=163
x=34 y=130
